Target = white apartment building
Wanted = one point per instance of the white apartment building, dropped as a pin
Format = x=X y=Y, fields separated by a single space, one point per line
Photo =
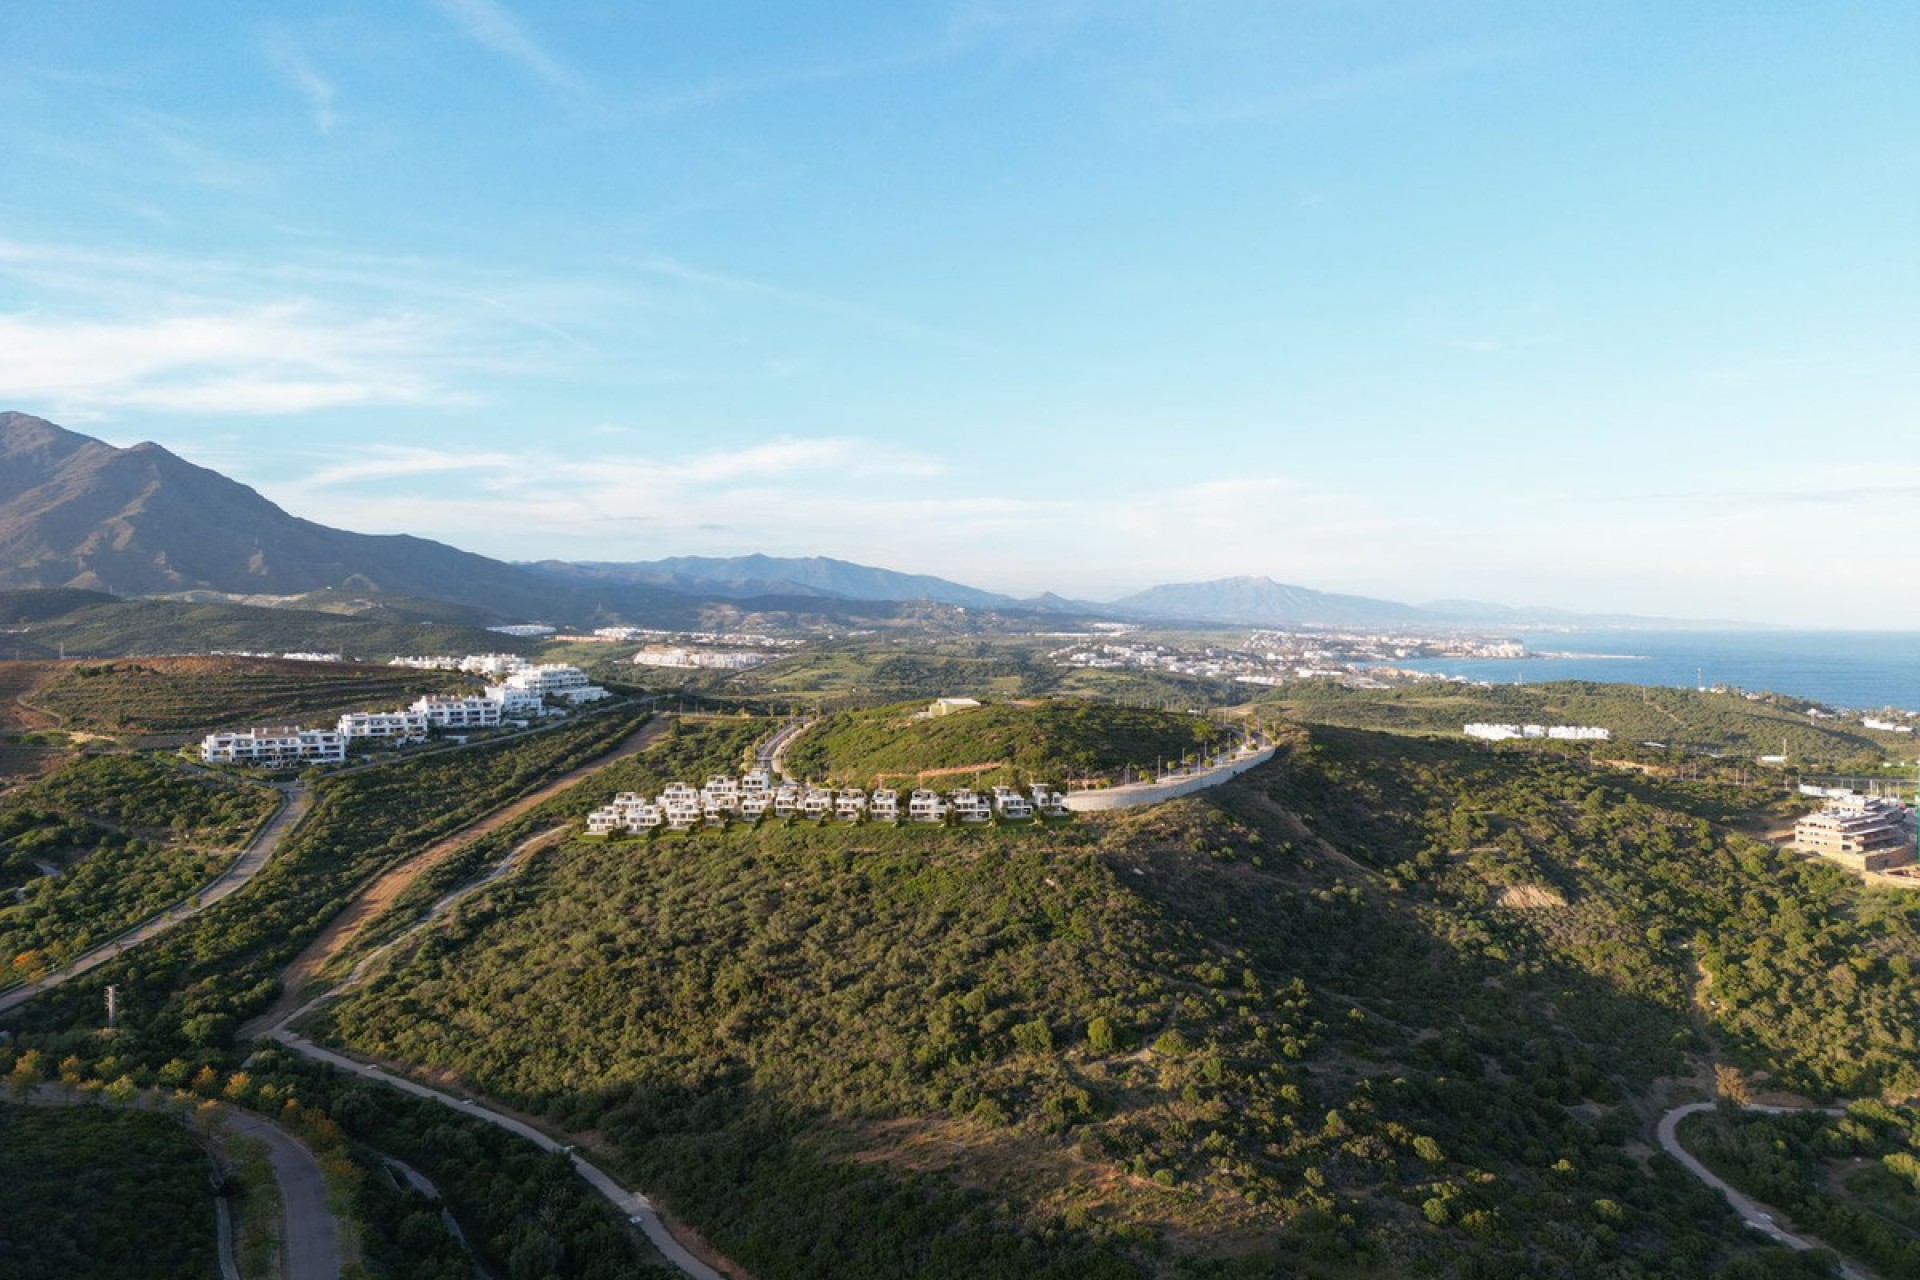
x=275 y=748
x=556 y=680
x=710 y=659
x=473 y=712
x=401 y=725
x=514 y=702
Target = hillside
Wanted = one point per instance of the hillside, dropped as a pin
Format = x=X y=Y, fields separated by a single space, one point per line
x=1384 y=1007
x=119 y=628
x=1635 y=714
x=1008 y=742
x=188 y=695
x=103 y=842
x=110 y=1195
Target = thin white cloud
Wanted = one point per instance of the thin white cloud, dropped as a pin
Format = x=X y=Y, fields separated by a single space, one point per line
x=260 y=360
x=491 y=25
x=300 y=74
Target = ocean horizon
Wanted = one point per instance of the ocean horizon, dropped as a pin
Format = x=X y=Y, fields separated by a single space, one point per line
x=1862 y=670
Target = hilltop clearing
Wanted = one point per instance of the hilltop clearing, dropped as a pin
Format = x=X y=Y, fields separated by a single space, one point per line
x=1055 y=740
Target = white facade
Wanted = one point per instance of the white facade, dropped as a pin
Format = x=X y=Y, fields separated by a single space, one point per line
x=556 y=680
x=1558 y=732
x=275 y=748
x=514 y=702
x=459 y=713
x=712 y=659
x=383 y=724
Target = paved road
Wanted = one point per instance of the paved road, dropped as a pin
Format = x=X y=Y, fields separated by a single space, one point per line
x=637 y=1207
x=1751 y=1211
x=311 y=1237
x=770 y=754
x=295 y=801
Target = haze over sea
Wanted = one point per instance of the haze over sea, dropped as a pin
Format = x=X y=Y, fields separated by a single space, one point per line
x=1861 y=669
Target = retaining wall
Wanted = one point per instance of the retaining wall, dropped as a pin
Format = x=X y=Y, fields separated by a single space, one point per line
x=1135 y=794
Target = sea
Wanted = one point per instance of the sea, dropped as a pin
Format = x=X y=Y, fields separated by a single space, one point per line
x=1862 y=670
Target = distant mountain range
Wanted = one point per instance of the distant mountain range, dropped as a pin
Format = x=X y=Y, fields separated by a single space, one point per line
x=79 y=513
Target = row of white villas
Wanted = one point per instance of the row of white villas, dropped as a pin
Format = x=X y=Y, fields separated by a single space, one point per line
x=755 y=795
x=524 y=693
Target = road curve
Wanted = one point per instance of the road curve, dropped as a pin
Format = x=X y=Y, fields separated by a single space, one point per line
x=311 y=1237
x=771 y=753
x=295 y=801
x=637 y=1208
x=1751 y=1211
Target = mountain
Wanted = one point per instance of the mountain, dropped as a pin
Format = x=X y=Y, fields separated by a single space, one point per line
x=1262 y=602
x=745 y=577
x=77 y=512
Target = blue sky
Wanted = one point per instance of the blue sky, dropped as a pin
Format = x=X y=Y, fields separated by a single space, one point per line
x=1606 y=306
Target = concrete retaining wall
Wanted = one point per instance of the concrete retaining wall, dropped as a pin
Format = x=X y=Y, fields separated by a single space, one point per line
x=1138 y=793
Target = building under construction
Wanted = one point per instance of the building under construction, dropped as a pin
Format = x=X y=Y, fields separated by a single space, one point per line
x=1864 y=833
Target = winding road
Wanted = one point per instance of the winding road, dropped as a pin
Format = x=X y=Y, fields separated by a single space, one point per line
x=295 y=801
x=771 y=754
x=638 y=1209
x=634 y=1205
x=1751 y=1211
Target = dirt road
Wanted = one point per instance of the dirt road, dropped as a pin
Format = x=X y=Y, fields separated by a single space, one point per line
x=380 y=895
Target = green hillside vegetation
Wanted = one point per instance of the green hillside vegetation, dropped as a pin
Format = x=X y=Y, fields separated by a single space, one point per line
x=1192 y=1040
x=1049 y=741
x=185 y=992
x=186 y=695
x=971 y=666
x=127 y=627
x=126 y=836
x=1853 y=1181
x=1675 y=717
x=109 y=1195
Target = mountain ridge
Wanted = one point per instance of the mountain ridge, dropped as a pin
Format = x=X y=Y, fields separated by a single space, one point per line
x=78 y=513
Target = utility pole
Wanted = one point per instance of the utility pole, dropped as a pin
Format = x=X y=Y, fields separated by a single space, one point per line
x=113 y=1006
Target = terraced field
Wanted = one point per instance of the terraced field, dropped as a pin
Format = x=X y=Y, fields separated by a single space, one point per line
x=190 y=694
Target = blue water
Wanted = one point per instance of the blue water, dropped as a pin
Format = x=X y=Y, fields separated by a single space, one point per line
x=1868 y=670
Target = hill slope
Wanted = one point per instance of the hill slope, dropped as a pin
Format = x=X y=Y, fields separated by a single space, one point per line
x=1383 y=1007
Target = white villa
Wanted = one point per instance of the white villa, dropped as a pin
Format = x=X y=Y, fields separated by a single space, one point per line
x=275 y=748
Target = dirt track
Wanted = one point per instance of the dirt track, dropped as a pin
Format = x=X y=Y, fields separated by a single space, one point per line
x=380 y=895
